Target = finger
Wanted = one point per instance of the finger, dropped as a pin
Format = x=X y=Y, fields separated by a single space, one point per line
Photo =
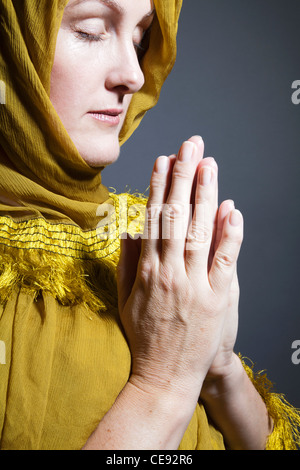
x=161 y=180
x=211 y=162
x=198 y=141
x=224 y=263
x=190 y=155
x=176 y=212
x=159 y=190
x=201 y=230
x=159 y=186
x=208 y=161
x=225 y=208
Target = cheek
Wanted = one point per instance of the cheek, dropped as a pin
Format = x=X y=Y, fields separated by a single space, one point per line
x=74 y=76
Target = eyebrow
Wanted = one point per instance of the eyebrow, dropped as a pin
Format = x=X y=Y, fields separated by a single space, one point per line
x=114 y=6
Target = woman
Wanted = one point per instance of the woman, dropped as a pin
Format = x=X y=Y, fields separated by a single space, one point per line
x=95 y=360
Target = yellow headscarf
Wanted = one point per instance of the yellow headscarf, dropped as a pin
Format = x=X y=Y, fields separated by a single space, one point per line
x=40 y=167
x=53 y=228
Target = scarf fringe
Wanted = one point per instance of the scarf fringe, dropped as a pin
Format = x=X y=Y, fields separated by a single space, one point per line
x=286 y=418
x=69 y=281
x=90 y=280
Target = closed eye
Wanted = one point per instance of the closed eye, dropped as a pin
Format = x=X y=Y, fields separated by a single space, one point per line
x=89 y=37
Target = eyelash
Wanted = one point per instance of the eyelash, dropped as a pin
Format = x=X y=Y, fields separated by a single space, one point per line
x=98 y=38
x=88 y=37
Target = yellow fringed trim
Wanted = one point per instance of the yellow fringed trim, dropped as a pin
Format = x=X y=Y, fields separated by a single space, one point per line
x=286 y=418
x=69 y=281
x=74 y=266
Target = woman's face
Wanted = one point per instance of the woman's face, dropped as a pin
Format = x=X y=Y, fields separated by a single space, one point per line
x=96 y=71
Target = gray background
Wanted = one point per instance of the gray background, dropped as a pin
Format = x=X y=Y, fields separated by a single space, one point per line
x=237 y=60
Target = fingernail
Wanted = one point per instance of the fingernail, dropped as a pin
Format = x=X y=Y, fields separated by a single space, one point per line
x=205 y=176
x=230 y=205
x=162 y=165
x=235 y=218
x=212 y=161
x=186 y=151
x=199 y=140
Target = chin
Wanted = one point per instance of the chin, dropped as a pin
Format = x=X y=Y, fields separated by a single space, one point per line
x=100 y=154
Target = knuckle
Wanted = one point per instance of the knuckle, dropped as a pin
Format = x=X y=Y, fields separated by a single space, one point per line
x=174 y=221
x=153 y=212
x=199 y=235
x=146 y=273
x=152 y=222
x=157 y=182
x=174 y=211
x=181 y=171
x=224 y=260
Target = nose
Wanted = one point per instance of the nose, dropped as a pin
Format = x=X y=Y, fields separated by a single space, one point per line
x=125 y=74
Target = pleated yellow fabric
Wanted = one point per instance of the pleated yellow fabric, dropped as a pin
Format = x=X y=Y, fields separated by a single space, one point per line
x=66 y=358
x=59 y=388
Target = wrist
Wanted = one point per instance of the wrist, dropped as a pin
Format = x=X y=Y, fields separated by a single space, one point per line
x=166 y=396
x=233 y=403
x=224 y=380
x=142 y=419
x=162 y=411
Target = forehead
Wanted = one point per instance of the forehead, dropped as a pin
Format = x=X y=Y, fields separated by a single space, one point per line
x=110 y=3
x=118 y=5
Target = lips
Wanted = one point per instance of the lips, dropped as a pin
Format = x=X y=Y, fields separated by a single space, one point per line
x=109 y=116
